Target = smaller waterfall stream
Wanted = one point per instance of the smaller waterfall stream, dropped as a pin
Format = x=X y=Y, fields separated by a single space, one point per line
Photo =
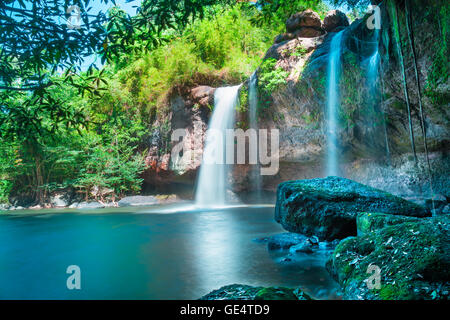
x=334 y=63
x=256 y=178
x=212 y=184
x=376 y=95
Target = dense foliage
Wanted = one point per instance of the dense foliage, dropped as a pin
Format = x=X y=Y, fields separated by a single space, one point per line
x=88 y=130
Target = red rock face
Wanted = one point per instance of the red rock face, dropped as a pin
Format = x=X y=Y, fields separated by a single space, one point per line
x=203 y=95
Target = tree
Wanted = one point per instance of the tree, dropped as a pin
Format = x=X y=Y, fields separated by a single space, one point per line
x=42 y=52
x=39 y=39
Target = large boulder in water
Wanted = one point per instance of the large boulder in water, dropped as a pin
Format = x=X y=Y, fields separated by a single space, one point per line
x=411 y=259
x=328 y=207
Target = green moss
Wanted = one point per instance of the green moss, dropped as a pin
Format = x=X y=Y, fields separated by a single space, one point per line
x=300 y=51
x=275 y=293
x=394 y=292
x=271 y=77
x=411 y=256
x=371 y=222
x=440 y=67
x=243 y=104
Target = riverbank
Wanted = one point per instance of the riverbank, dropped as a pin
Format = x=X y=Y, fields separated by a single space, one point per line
x=130 y=201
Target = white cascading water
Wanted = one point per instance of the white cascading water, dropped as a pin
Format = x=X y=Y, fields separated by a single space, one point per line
x=256 y=177
x=372 y=77
x=212 y=184
x=334 y=64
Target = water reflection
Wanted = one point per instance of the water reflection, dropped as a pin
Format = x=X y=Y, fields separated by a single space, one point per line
x=182 y=255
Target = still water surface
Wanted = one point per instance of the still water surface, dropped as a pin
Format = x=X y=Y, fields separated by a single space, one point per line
x=135 y=254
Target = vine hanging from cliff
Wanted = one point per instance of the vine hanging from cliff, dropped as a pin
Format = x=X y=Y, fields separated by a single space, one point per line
x=410 y=31
x=396 y=23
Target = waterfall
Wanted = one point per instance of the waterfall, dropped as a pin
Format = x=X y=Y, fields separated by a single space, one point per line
x=212 y=182
x=372 y=77
x=334 y=62
x=256 y=178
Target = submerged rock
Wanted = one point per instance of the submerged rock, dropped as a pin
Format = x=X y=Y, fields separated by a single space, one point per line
x=245 y=292
x=412 y=258
x=328 y=207
x=284 y=240
x=304 y=247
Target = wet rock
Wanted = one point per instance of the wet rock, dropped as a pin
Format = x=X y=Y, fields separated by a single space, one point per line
x=371 y=222
x=335 y=19
x=307 y=18
x=89 y=205
x=328 y=207
x=314 y=240
x=245 y=292
x=167 y=198
x=304 y=247
x=275 y=293
x=60 y=200
x=233 y=292
x=232 y=197
x=4 y=207
x=138 y=201
x=412 y=258
x=16 y=208
x=284 y=240
x=74 y=205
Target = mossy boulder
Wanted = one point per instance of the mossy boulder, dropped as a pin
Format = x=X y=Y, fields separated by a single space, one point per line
x=233 y=292
x=328 y=207
x=367 y=222
x=275 y=293
x=245 y=292
x=412 y=257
